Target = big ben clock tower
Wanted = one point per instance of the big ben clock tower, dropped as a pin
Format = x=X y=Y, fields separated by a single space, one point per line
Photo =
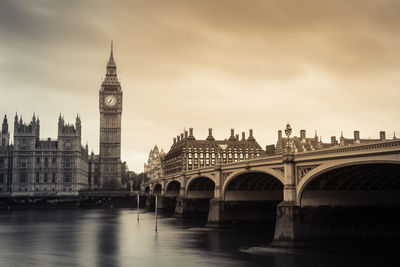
x=110 y=104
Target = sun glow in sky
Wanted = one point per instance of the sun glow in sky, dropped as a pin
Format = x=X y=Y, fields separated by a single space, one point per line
x=329 y=66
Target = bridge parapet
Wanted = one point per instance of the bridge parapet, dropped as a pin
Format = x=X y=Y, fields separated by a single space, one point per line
x=354 y=149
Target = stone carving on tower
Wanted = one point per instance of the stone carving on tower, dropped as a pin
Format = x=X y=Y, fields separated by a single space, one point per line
x=110 y=104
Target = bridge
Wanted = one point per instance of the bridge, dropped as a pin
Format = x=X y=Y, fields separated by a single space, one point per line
x=343 y=191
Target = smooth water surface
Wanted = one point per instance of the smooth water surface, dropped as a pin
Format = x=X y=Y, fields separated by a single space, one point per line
x=115 y=238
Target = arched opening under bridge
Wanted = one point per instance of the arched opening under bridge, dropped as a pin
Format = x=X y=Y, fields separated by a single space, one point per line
x=157 y=189
x=252 y=196
x=199 y=192
x=361 y=184
x=147 y=190
x=173 y=189
x=358 y=201
x=201 y=187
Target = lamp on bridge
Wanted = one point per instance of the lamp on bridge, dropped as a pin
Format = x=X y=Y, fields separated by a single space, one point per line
x=222 y=149
x=288 y=132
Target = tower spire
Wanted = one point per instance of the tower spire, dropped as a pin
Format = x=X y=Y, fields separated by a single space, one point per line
x=111 y=63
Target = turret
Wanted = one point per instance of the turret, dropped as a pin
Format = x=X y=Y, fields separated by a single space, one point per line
x=4 y=128
x=78 y=125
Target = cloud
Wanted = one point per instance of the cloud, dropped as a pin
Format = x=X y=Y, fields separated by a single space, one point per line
x=327 y=65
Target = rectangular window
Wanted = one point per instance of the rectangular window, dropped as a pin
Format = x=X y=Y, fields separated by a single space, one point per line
x=67 y=178
x=37 y=177
x=1 y=178
x=3 y=142
x=54 y=160
x=22 y=178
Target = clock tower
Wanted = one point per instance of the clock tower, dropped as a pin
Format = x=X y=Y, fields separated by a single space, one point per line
x=110 y=104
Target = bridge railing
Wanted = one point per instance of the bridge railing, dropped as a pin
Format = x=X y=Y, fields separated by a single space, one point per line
x=368 y=148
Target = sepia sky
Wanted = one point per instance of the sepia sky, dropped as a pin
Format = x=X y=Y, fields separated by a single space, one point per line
x=329 y=66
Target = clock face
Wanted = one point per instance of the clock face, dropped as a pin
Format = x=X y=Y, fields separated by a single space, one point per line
x=110 y=100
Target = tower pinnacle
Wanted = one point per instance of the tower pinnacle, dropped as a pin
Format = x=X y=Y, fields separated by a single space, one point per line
x=111 y=63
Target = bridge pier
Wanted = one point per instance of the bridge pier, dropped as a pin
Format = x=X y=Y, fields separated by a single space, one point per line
x=320 y=225
x=191 y=207
x=149 y=202
x=218 y=215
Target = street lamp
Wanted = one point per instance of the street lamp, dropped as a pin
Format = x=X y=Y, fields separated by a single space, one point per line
x=288 y=132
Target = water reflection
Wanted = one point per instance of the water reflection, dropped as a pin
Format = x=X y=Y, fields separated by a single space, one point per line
x=115 y=238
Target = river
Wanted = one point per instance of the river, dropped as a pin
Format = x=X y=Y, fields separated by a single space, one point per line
x=100 y=237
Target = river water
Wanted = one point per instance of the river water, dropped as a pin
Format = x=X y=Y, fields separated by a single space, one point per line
x=115 y=238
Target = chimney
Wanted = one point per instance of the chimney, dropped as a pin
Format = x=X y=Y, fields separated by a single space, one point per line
x=210 y=136
x=279 y=134
x=232 y=137
x=182 y=136
x=251 y=138
x=186 y=134
x=237 y=137
x=357 y=135
x=382 y=135
x=333 y=140
x=178 y=138
x=302 y=134
x=174 y=140
x=190 y=132
x=243 y=136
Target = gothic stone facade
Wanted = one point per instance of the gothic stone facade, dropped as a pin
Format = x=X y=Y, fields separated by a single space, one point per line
x=48 y=167
x=5 y=158
x=110 y=105
x=153 y=168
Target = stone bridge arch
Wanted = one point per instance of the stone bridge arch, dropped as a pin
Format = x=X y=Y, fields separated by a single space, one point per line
x=201 y=186
x=147 y=189
x=172 y=188
x=347 y=181
x=254 y=184
x=157 y=189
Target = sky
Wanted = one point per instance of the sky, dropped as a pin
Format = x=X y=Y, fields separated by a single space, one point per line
x=329 y=66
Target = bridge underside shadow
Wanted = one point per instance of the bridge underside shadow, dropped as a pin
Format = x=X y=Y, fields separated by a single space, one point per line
x=196 y=204
x=249 y=197
x=358 y=203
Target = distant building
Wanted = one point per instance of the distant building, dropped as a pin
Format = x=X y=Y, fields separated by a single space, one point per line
x=187 y=153
x=48 y=167
x=5 y=158
x=153 y=168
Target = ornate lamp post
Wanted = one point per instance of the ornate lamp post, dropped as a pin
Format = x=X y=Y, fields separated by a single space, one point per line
x=288 y=132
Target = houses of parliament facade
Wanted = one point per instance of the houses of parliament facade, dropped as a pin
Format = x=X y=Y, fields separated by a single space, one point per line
x=33 y=167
